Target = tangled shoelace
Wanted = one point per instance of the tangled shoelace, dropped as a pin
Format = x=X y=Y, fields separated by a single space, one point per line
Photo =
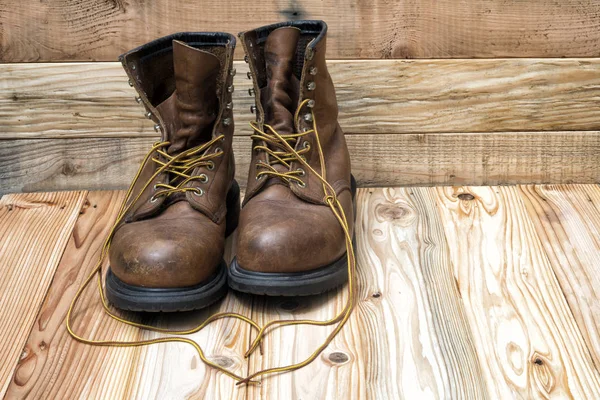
x=180 y=165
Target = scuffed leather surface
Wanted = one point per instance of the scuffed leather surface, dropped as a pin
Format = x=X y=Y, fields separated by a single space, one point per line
x=177 y=248
x=178 y=241
x=286 y=227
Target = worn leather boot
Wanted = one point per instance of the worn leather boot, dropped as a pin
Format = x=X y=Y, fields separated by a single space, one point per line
x=289 y=241
x=166 y=253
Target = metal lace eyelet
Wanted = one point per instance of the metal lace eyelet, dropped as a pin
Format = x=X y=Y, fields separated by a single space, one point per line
x=311 y=86
x=230 y=89
x=251 y=92
x=198 y=192
x=130 y=83
x=138 y=99
x=210 y=166
x=218 y=150
x=153 y=199
x=302 y=184
x=149 y=115
x=253 y=109
x=232 y=72
x=310 y=103
x=313 y=70
x=259 y=177
x=227 y=121
x=302 y=172
x=306 y=144
x=249 y=75
x=229 y=105
x=155 y=187
x=308 y=117
x=246 y=59
x=157 y=128
x=204 y=178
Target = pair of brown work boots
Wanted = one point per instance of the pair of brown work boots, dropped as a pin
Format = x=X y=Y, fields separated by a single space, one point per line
x=296 y=224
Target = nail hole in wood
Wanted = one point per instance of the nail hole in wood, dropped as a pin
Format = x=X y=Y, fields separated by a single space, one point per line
x=466 y=196
x=338 y=357
x=538 y=361
x=223 y=361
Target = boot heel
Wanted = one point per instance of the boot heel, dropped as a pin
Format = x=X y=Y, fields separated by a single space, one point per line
x=233 y=208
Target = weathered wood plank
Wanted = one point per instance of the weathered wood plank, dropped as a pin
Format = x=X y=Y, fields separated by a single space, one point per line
x=567 y=220
x=407 y=337
x=381 y=96
x=378 y=160
x=176 y=371
x=55 y=366
x=34 y=230
x=89 y=30
x=528 y=341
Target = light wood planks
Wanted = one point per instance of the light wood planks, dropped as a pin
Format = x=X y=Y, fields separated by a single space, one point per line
x=377 y=160
x=524 y=332
x=91 y=30
x=567 y=220
x=56 y=366
x=407 y=337
x=34 y=229
x=458 y=297
x=380 y=96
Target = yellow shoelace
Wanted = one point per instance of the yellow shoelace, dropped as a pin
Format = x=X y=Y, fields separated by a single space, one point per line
x=180 y=165
x=331 y=200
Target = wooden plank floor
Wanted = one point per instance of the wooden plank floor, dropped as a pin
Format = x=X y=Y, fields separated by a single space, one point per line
x=464 y=292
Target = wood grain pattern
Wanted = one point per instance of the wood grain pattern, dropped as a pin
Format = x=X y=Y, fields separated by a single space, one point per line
x=407 y=337
x=177 y=372
x=381 y=96
x=378 y=160
x=567 y=220
x=524 y=332
x=101 y=30
x=34 y=230
x=55 y=366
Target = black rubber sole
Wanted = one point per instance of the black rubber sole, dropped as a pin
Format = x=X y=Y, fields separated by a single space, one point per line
x=307 y=283
x=139 y=298
x=289 y=284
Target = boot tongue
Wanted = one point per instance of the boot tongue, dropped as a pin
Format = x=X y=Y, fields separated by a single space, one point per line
x=191 y=111
x=280 y=96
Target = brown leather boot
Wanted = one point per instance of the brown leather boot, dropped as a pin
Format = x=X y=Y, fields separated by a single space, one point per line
x=289 y=241
x=166 y=252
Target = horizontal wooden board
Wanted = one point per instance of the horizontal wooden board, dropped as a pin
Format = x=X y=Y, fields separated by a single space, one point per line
x=92 y=30
x=378 y=160
x=68 y=100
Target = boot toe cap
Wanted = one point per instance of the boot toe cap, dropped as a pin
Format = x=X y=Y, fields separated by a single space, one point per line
x=305 y=240
x=164 y=257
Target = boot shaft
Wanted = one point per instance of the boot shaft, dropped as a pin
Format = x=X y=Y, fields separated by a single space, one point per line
x=185 y=82
x=290 y=77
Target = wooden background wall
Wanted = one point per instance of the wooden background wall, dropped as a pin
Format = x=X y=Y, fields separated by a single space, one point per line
x=430 y=92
